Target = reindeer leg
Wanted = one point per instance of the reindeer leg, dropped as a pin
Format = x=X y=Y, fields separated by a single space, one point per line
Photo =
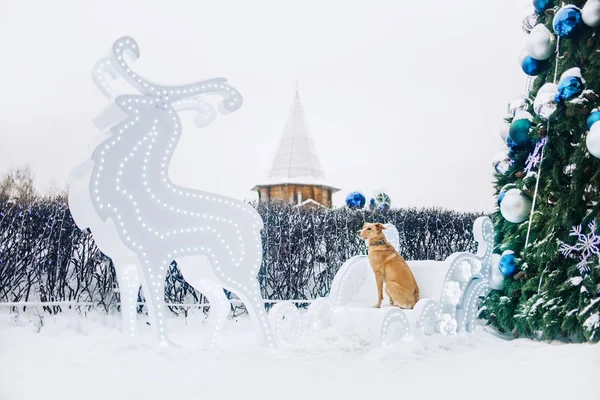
x=219 y=307
x=129 y=286
x=252 y=299
x=154 y=292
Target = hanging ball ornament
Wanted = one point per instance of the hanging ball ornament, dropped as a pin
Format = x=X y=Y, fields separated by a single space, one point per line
x=496 y=278
x=371 y=204
x=542 y=5
x=512 y=148
x=508 y=263
x=529 y=22
x=593 y=118
x=567 y=21
x=502 y=167
x=590 y=13
x=501 y=162
x=592 y=141
x=531 y=66
x=355 y=200
x=501 y=196
x=504 y=130
x=570 y=85
x=544 y=104
x=540 y=43
x=517 y=105
x=519 y=128
x=515 y=206
x=500 y=156
x=382 y=201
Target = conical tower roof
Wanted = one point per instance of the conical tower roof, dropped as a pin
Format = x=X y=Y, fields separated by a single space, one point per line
x=296 y=160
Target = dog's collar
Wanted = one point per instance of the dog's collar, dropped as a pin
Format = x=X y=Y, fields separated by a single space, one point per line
x=377 y=243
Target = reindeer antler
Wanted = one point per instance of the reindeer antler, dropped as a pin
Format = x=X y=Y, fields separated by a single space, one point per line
x=232 y=98
x=206 y=112
x=101 y=69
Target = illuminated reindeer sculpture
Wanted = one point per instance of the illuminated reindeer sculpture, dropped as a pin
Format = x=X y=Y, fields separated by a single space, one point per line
x=143 y=221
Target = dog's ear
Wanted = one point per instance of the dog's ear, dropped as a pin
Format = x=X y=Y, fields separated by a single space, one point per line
x=379 y=226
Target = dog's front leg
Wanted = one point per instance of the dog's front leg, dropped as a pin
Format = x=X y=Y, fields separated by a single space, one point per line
x=379 y=279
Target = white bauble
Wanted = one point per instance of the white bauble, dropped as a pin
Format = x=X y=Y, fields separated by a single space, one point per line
x=517 y=105
x=500 y=156
x=496 y=278
x=501 y=162
x=504 y=130
x=515 y=206
x=520 y=114
x=502 y=167
x=592 y=141
x=590 y=13
x=540 y=43
x=544 y=104
x=548 y=88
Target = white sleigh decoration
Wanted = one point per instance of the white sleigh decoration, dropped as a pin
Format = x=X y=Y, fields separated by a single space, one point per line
x=143 y=221
x=449 y=291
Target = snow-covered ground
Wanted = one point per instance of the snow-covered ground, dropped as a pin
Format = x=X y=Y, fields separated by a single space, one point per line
x=73 y=357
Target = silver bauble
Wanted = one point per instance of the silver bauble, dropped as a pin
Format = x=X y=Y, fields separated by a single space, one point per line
x=592 y=141
x=544 y=104
x=540 y=43
x=515 y=206
x=529 y=22
x=590 y=13
x=496 y=278
x=517 y=105
x=502 y=167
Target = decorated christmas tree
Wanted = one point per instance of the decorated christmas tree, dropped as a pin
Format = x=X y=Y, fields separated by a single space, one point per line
x=546 y=285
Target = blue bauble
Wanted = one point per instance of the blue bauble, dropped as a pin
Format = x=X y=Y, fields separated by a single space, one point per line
x=533 y=67
x=567 y=21
x=501 y=196
x=355 y=200
x=592 y=119
x=541 y=5
x=519 y=131
x=508 y=263
x=511 y=144
x=569 y=87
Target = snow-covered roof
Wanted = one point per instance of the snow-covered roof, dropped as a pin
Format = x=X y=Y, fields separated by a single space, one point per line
x=296 y=160
x=309 y=202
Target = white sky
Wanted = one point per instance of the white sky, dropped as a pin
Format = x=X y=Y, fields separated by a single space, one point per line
x=402 y=96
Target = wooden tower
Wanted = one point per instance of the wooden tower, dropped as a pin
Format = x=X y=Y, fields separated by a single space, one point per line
x=296 y=175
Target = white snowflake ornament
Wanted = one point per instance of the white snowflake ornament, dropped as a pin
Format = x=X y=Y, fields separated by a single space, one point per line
x=447 y=326
x=452 y=292
x=587 y=247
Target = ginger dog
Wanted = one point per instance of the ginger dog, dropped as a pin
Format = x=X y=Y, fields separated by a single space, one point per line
x=389 y=267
